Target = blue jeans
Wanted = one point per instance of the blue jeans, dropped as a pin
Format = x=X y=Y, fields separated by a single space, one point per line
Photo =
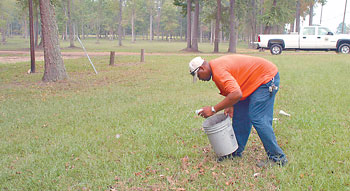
x=257 y=110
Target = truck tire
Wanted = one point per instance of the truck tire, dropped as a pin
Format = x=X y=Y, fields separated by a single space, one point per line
x=344 y=48
x=276 y=49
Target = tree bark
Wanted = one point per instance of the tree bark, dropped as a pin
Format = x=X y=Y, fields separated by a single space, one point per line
x=159 y=12
x=3 y=34
x=133 y=26
x=232 y=44
x=54 y=66
x=36 y=28
x=188 y=35
x=70 y=25
x=25 y=32
x=150 y=24
x=253 y=23
x=261 y=27
x=82 y=30
x=195 y=28
x=311 y=15
x=120 y=23
x=32 y=47
x=297 y=17
x=268 y=28
x=217 y=26
x=212 y=31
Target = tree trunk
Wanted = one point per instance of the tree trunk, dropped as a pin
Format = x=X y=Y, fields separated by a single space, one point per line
x=98 y=28
x=159 y=11
x=321 y=13
x=232 y=45
x=133 y=26
x=268 y=28
x=3 y=32
x=311 y=15
x=180 y=28
x=217 y=26
x=253 y=24
x=195 y=28
x=120 y=23
x=150 y=25
x=54 y=66
x=36 y=28
x=291 y=29
x=261 y=27
x=212 y=31
x=70 y=25
x=82 y=30
x=25 y=32
x=297 y=17
x=188 y=35
x=32 y=47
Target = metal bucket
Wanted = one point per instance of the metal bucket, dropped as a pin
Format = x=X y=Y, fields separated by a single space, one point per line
x=220 y=134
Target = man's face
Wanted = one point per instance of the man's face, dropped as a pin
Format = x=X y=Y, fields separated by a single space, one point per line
x=204 y=73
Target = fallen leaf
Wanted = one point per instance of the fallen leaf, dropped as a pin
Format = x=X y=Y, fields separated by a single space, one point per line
x=170 y=180
x=184 y=163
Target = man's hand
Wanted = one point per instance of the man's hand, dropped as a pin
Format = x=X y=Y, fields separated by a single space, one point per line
x=229 y=111
x=206 y=112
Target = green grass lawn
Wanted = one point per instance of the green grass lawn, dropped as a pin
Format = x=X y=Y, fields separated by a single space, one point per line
x=106 y=45
x=133 y=126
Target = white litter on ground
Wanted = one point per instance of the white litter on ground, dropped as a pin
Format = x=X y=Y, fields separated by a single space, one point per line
x=284 y=113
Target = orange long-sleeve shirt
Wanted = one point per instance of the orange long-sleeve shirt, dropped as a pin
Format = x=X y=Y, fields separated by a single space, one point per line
x=243 y=72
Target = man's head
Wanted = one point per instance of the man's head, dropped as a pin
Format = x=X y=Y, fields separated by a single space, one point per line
x=200 y=68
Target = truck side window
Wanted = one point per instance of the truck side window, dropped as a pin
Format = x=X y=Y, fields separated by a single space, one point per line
x=323 y=31
x=309 y=31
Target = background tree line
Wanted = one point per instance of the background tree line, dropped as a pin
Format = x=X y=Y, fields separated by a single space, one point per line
x=161 y=19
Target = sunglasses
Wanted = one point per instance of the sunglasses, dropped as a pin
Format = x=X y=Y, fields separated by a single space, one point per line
x=194 y=71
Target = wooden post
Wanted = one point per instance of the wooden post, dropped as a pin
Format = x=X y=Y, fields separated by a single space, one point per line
x=111 y=58
x=32 y=51
x=142 y=55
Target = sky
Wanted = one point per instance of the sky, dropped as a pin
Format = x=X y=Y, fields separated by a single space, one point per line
x=332 y=15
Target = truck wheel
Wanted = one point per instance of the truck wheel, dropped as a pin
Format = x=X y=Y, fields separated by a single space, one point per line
x=276 y=49
x=344 y=48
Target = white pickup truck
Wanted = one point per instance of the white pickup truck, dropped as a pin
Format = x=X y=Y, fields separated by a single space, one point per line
x=310 y=38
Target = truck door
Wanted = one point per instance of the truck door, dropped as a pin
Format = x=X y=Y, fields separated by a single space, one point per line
x=325 y=38
x=308 y=38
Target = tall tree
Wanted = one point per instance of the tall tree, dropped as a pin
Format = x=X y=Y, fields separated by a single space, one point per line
x=322 y=2
x=32 y=47
x=342 y=30
x=120 y=31
x=151 y=20
x=54 y=66
x=297 y=17
x=232 y=43
x=70 y=24
x=195 y=27
x=217 y=26
x=311 y=12
x=252 y=23
x=188 y=35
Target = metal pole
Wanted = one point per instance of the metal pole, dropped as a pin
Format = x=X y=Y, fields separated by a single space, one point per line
x=342 y=30
x=86 y=54
x=32 y=51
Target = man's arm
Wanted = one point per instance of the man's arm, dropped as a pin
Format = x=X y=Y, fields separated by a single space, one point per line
x=231 y=99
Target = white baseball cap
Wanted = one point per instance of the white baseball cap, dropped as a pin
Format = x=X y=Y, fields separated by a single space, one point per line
x=194 y=66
